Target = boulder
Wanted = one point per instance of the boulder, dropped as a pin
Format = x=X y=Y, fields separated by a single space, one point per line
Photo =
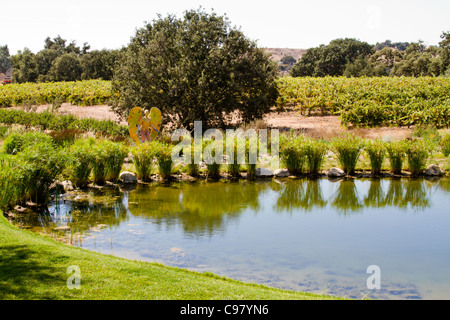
x=433 y=170
x=281 y=173
x=263 y=172
x=335 y=172
x=128 y=177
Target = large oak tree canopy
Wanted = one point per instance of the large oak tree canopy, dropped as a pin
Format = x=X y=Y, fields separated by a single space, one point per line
x=197 y=68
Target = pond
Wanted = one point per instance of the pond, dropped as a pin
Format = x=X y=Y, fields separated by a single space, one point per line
x=317 y=236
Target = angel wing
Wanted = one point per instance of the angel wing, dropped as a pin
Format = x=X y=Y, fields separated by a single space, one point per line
x=134 y=117
x=155 y=122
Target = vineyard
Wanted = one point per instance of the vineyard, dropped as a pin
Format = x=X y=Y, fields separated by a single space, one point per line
x=375 y=101
x=82 y=93
x=362 y=102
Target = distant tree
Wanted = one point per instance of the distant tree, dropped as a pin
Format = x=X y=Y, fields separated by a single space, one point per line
x=66 y=67
x=99 y=64
x=360 y=67
x=331 y=59
x=383 y=61
x=197 y=68
x=445 y=51
x=59 y=44
x=5 y=59
x=289 y=60
x=401 y=46
x=44 y=61
x=25 y=67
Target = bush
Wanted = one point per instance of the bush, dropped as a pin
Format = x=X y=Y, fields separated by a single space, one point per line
x=396 y=151
x=143 y=155
x=418 y=152
x=348 y=149
x=376 y=150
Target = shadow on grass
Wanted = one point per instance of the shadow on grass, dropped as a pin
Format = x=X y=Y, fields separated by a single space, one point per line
x=28 y=274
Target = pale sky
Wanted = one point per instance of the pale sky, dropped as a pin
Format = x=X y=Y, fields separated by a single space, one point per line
x=279 y=23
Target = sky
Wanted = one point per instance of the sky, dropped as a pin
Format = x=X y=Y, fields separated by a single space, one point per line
x=109 y=24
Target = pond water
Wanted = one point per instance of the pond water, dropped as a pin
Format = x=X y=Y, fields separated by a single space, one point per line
x=316 y=235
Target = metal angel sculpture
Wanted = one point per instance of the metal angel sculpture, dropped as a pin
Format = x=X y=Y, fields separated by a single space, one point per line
x=144 y=125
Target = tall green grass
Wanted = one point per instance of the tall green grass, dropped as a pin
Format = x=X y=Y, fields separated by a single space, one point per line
x=18 y=141
x=396 y=151
x=81 y=159
x=293 y=152
x=445 y=144
x=143 y=155
x=347 y=148
x=315 y=154
x=211 y=157
x=163 y=154
x=376 y=150
x=418 y=152
x=41 y=165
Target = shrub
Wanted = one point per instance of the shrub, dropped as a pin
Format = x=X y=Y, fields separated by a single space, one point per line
x=143 y=155
x=396 y=151
x=445 y=145
x=376 y=150
x=418 y=152
x=315 y=154
x=348 y=149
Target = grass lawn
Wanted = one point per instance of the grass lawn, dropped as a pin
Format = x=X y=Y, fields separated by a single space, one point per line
x=34 y=267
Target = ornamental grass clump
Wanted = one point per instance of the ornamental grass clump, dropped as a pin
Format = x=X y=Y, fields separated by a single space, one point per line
x=81 y=162
x=213 y=157
x=293 y=152
x=41 y=164
x=315 y=154
x=235 y=154
x=163 y=154
x=143 y=155
x=192 y=167
x=115 y=153
x=418 y=152
x=396 y=151
x=17 y=142
x=347 y=148
x=445 y=145
x=11 y=182
x=251 y=156
x=376 y=150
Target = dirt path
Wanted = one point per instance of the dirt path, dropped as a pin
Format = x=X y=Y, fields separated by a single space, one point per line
x=313 y=126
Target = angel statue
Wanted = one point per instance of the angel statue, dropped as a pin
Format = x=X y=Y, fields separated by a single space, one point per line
x=144 y=125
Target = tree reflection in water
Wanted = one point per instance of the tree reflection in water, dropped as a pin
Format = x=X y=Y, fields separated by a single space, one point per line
x=200 y=207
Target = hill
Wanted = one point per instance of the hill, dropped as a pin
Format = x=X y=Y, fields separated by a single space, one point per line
x=278 y=53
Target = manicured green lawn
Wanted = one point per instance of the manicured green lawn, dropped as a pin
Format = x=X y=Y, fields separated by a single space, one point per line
x=34 y=266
